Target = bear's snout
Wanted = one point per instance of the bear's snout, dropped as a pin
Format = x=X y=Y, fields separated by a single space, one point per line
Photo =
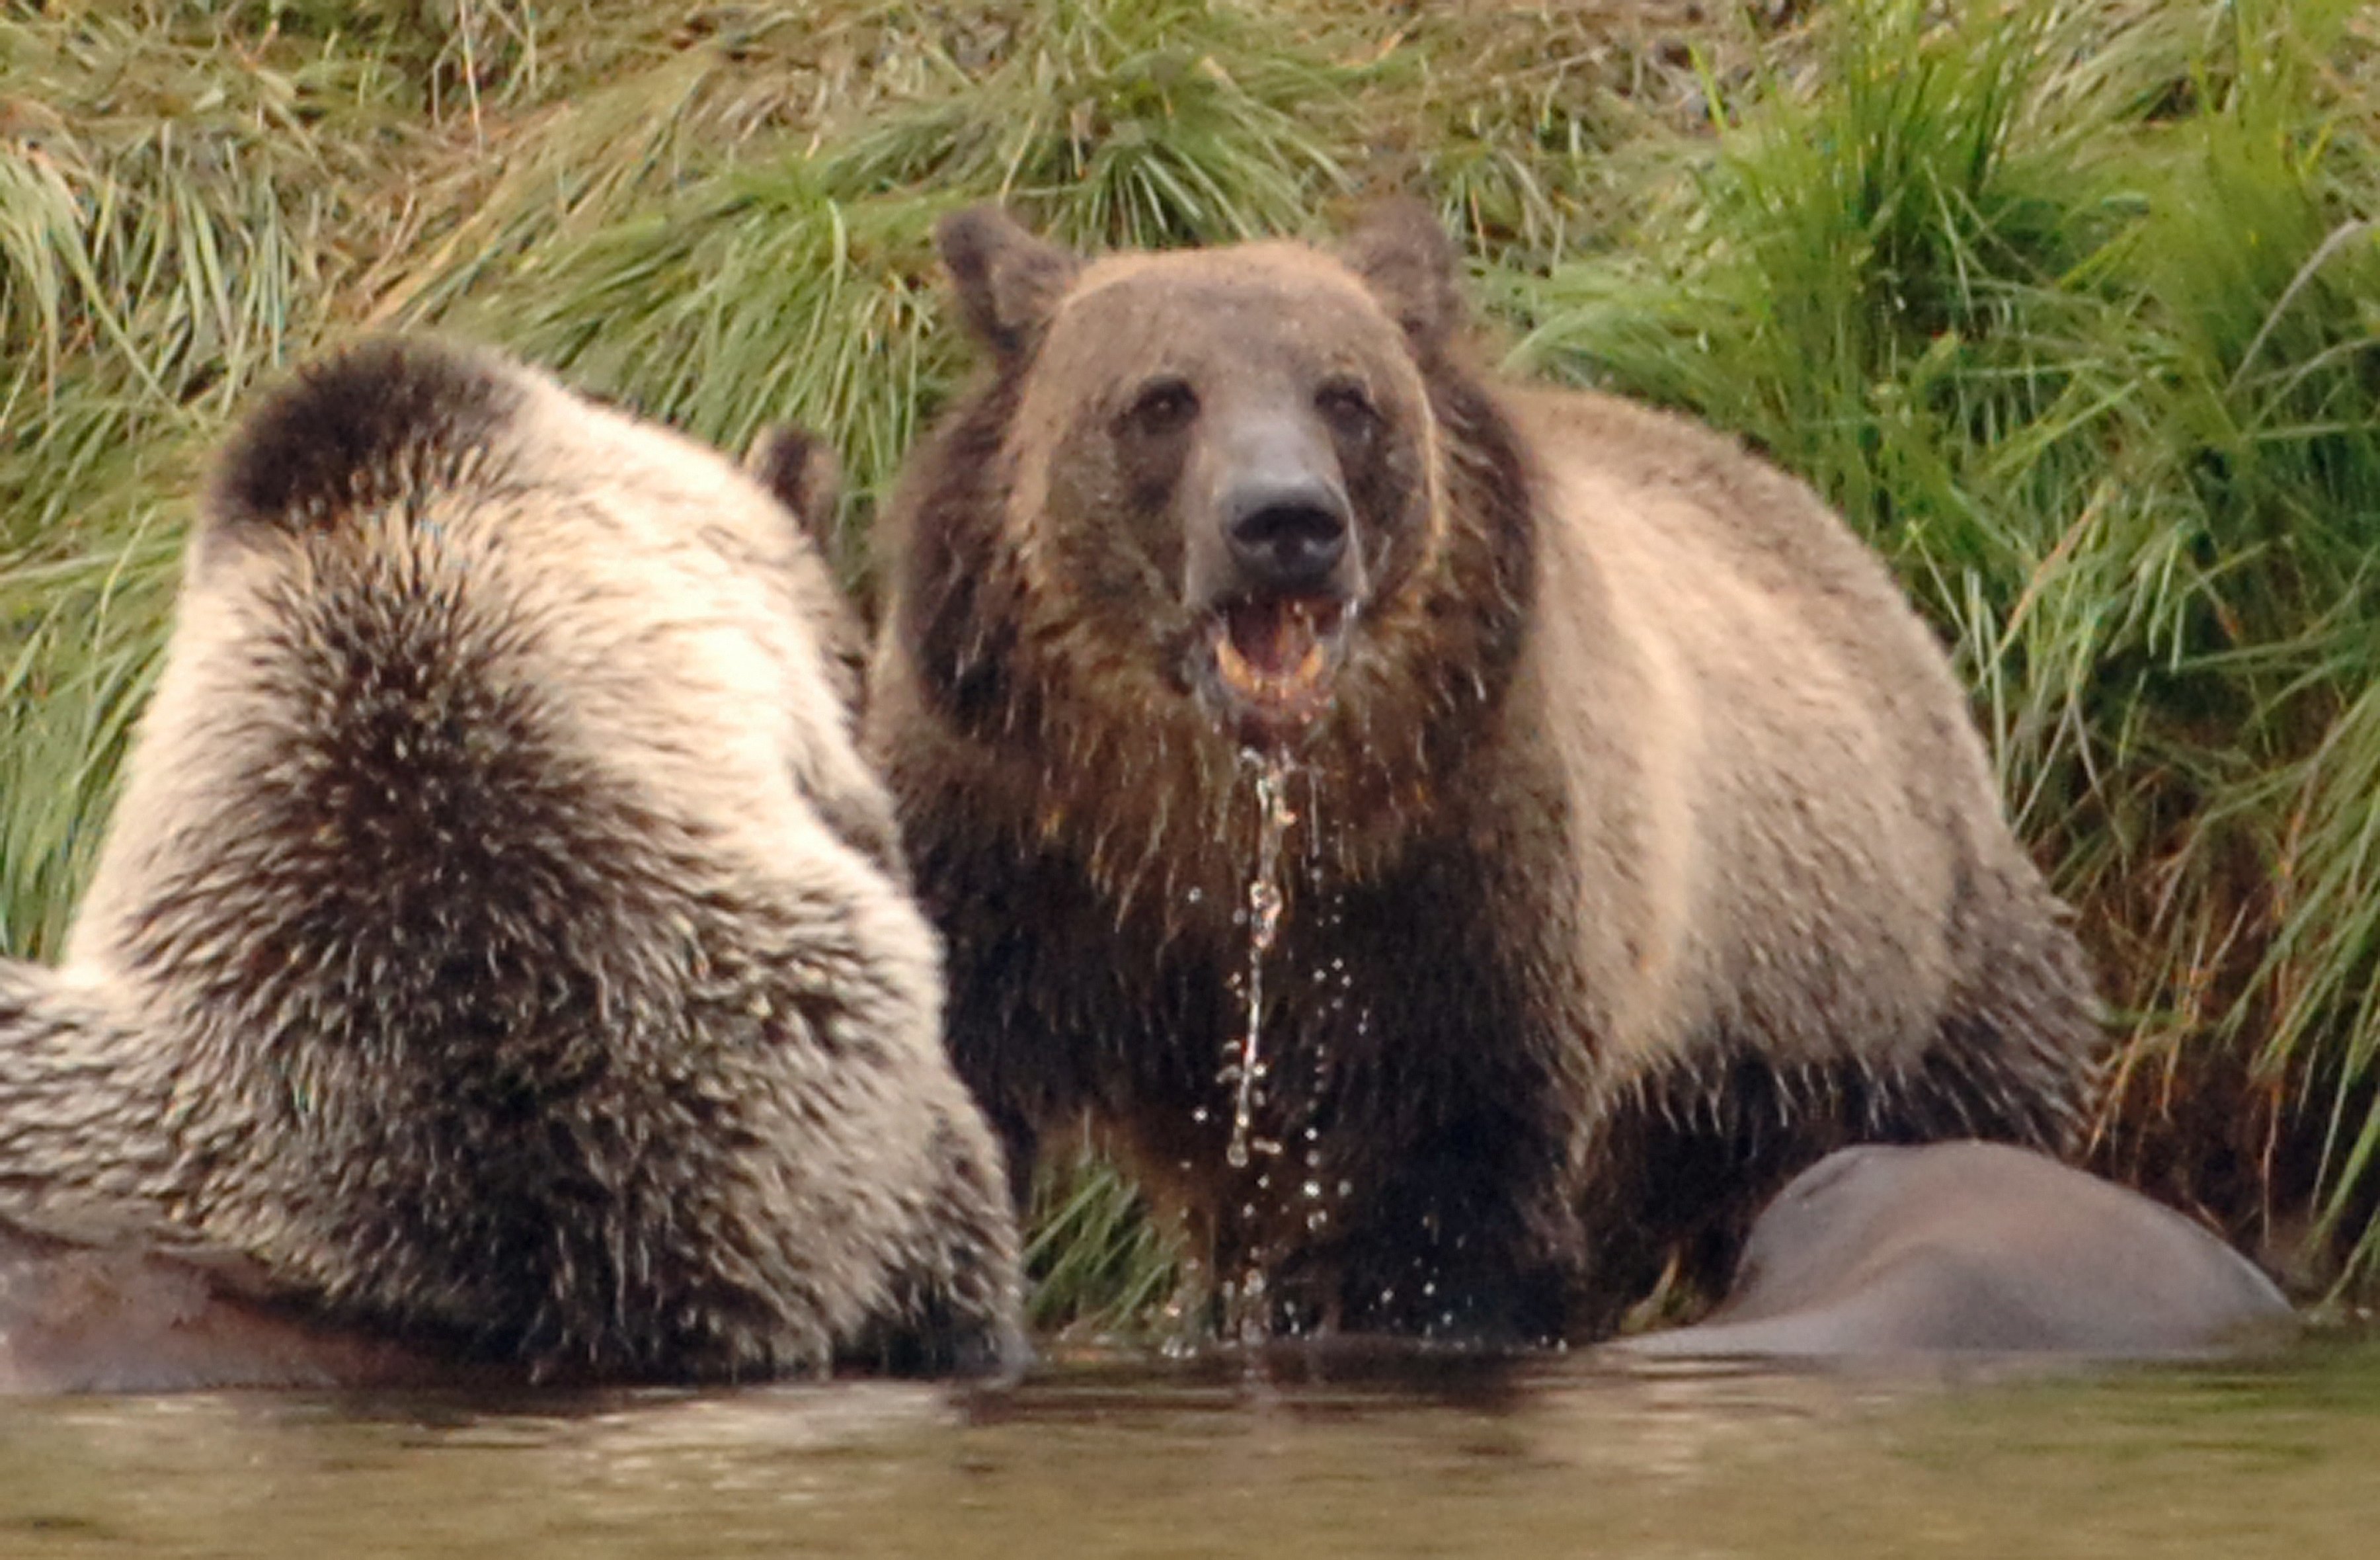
x=1274 y=571
x=1280 y=509
x=1286 y=536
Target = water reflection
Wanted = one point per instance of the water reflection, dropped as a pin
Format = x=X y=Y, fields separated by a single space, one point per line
x=1284 y=1453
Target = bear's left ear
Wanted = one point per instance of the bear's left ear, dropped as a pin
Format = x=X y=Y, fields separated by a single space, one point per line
x=1404 y=254
x=1009 y=282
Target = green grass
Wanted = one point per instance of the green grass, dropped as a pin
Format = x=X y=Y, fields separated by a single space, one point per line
x=1100 y=1268
x=2073 y=308
x=174 y=217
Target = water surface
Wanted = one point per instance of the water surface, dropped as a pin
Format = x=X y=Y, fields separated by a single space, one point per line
x=1284 y=1459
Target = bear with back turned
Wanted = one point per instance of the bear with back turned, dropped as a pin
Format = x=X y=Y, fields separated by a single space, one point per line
x=1637 y=847
x=500 y=949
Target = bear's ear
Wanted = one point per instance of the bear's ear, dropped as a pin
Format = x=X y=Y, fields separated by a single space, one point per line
x=1404 y=254
x=801 y=473
x=1009 y=282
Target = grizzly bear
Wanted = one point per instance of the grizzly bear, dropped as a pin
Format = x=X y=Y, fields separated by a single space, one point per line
x=498 y=948
x=1619 y=840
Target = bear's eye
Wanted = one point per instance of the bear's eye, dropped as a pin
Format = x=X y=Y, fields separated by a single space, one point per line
x=1347 y=407
x=1164 y=407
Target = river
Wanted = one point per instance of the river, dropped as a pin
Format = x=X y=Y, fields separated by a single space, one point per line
x=1285 y=1456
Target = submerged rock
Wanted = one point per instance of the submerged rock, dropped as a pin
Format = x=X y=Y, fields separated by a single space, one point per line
x=84 y=1319
x=1973 y=1247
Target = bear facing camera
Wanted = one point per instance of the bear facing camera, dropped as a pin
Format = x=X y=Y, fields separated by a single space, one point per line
x=1462 y=845
x=496 y=961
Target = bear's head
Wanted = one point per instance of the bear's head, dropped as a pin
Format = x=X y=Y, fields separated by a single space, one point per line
x=1222 y=474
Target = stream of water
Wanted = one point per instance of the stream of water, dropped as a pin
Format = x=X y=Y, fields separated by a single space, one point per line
x=1283 y=1455
x=1244 y=1069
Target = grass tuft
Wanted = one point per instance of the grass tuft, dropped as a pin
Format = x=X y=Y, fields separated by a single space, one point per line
x=1100 y=1269
x=1122 y=122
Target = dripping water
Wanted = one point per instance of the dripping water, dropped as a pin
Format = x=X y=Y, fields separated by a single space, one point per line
x=1265 y=900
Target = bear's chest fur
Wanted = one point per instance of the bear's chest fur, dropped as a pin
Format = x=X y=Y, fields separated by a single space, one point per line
x=1421 y=1085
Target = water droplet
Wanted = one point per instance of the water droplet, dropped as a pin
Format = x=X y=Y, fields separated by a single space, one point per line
x=1264 y=913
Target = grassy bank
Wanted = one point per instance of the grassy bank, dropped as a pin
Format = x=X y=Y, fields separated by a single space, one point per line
x=2074 y=307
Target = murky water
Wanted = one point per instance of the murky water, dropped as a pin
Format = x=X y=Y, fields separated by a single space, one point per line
x=1292 y=1458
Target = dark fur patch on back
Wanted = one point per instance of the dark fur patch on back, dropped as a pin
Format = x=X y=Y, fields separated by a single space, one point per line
x=357 y=427
x=418 y=811
x=445 y=924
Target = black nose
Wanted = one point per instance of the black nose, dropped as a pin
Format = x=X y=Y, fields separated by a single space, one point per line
x=1287 y=537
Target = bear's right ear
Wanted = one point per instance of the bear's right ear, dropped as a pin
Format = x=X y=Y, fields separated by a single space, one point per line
x=1009 y=282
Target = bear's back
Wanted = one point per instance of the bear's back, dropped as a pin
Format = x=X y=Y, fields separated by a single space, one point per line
x=1809 y=794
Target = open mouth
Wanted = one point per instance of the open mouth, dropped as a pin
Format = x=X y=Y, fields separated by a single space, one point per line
x=1275 y=658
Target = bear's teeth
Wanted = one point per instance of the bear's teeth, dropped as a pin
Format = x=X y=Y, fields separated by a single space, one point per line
x=1274 y=654
x=1234 y=666
x=1272 y=635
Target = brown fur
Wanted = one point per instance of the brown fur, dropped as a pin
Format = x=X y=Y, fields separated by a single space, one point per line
x=497 y=947
x=1644 y=851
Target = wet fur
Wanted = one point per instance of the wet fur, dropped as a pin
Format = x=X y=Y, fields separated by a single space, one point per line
x=1647 y=854
x=494 y=948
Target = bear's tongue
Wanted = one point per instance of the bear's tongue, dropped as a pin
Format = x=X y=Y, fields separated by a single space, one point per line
x=1271 y=653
